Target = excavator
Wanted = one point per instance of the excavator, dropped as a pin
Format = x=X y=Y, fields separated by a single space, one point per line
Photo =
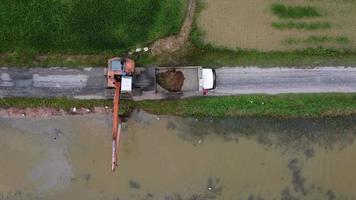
x=119 y=77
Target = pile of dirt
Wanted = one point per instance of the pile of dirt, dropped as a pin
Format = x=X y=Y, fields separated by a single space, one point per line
x=171 y=80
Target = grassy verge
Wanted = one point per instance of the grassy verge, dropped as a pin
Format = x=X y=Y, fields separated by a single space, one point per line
x=295 y=12
x=289 y=105
x=61 y=103
x=211 y=56
x=280 y=106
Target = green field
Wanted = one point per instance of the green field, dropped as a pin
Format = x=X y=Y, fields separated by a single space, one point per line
x=280 y=106
x=86 y=26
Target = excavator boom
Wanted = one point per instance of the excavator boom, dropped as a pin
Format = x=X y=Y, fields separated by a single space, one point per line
x=119 y=76
x=116 y=126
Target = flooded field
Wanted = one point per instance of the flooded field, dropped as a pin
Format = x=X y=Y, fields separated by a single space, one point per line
x=174 y=158
x=248 y=25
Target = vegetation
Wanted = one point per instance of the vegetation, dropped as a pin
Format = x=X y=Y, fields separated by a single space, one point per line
x=317 y=39
x=200 y=53
x=85 y=26
x=301 y=25
x=295 y=12
x=195 y=53
x=61 y=103
x=288 y=105
x=27 y=59
x=209 y=55
x=282 y=106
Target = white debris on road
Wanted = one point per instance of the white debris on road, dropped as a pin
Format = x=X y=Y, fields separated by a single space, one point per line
x=5 y=80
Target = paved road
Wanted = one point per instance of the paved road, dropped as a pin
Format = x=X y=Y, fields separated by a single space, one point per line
x=82 y=83
x=233 y=80
x=89 y=83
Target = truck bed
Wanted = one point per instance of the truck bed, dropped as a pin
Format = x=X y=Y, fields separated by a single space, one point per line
x=192 y=76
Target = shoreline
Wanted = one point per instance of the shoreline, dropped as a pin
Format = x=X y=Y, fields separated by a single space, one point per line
x=283 y=106
x=46 y=112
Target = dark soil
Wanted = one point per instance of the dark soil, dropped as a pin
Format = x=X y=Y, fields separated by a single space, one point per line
x=171 y=80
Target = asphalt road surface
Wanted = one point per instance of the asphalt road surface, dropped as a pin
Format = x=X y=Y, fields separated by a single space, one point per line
x=252 y=80
x=89 y=83
x=84 y=83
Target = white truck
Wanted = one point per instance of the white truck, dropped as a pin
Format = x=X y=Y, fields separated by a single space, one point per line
x=181 y=81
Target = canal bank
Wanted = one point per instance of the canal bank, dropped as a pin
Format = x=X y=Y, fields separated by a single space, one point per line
x=276 y=106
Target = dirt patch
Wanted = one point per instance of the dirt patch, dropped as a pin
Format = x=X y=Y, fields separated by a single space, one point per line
x=174 y=43
x=171 y=80
x=248 y=24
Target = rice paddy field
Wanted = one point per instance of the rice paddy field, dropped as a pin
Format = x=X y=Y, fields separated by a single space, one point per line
x=279 y=25
x=86 y=26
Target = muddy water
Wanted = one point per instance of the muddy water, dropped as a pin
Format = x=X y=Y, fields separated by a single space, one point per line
x=175 y=158
x=246 y=24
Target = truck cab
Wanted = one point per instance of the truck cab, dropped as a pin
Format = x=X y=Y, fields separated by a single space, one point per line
x=208 y=78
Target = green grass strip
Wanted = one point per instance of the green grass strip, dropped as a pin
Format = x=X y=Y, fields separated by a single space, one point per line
x=301 y=25
x=281 y=106
x=294 y=12
x=286 y=105
x=208 y=55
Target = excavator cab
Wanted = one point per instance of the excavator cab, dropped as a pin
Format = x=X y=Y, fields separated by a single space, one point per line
x=120 y=68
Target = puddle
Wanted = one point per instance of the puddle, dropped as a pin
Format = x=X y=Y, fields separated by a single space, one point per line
x=172 y=158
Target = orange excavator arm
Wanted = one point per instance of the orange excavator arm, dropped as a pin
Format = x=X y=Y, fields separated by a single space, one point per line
x=116 y=126
x=119 y=71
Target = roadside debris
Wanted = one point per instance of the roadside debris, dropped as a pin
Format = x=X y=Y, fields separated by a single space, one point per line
x=48 y=112
x=138 y=51
x=73 y=110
